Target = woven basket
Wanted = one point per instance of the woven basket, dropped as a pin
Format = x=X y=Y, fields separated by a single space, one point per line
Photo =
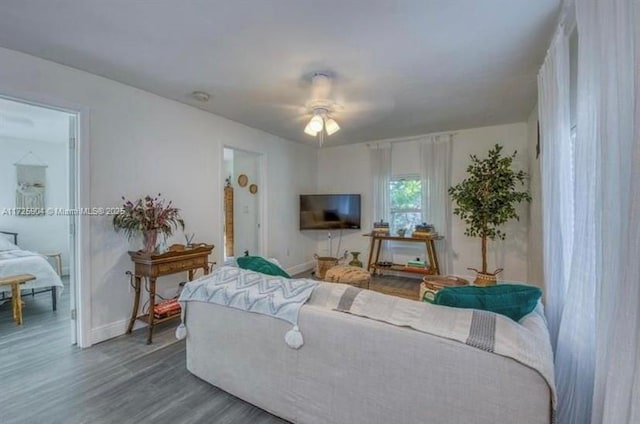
x=488 y=278
x=323 y=264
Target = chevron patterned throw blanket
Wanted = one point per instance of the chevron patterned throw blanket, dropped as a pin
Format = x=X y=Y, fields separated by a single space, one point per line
x=251 y=291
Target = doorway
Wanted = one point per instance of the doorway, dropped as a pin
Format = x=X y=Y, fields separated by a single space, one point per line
x=243 y=199
x=38 y=215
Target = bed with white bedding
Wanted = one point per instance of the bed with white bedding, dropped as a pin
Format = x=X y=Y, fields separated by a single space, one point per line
x=14 y=260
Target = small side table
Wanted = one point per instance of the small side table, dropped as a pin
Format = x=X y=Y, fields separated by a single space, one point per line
x=151 y=266
x=57 y=257
x=428 y=242
x=14 y=281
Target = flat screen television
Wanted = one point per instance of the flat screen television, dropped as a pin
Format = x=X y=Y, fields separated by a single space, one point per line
x=329 y=211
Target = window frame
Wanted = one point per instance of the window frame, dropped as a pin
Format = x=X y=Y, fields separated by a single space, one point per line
x=393 y=211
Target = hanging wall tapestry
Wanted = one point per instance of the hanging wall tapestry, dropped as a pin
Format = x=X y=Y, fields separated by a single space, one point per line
x=31 y=187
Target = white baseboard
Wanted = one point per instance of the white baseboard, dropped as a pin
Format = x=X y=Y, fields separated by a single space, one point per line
x=109 y=331
x=297 y=269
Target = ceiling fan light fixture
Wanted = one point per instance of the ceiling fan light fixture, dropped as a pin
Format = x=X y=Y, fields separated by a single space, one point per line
x=331 y=126
x=309 y=130
x=315 y=124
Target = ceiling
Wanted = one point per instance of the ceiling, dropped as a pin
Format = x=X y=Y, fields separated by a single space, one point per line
x=401 y=68
x=27 y=122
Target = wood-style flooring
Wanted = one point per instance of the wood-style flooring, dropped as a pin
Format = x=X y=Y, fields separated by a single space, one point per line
x=401 y=286
x=46 y=380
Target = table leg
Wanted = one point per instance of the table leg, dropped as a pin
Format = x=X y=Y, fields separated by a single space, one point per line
x=371 y=246
x=190 y=275
x=206 y=269
x=17 y=303
x=136 y=303
x=54 y=298
x=377 y=259
x=152 y=302
x=433 y=258
x=59 y=264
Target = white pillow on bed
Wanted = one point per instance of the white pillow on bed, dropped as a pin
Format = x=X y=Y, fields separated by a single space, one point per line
x=7 y=245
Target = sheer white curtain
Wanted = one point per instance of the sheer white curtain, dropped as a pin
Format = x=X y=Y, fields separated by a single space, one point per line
x=576 y=343
x=381 y=178
x=556 y=176
x=606 y=32
x=435 y=155
x=595 y=311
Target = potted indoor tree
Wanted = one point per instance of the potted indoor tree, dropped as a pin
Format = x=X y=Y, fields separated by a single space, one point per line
x=148 y=216
x=487 y=199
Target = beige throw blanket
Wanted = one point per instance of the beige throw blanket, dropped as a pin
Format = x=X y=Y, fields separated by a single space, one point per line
x=526 y=342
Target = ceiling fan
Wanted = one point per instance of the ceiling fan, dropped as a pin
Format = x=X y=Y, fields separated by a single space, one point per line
x=322 y=108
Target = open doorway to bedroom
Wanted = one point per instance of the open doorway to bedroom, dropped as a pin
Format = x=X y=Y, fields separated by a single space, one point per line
x=243 y=203
x=37 y=222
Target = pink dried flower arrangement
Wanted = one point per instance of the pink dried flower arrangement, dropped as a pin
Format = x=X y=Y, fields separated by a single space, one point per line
x=146 y=214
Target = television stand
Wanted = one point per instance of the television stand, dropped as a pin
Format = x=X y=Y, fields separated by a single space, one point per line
x=375 y=247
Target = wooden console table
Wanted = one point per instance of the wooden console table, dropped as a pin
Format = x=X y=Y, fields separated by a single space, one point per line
x=151 y=266
x=376 y=246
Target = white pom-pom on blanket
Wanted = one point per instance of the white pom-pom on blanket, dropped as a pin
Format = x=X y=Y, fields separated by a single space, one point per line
x=294 y=338
x=181 y=331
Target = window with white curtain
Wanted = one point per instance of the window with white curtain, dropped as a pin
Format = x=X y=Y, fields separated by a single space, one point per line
x=405 y=193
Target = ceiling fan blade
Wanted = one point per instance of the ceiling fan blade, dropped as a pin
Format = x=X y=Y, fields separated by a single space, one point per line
x=287 y=108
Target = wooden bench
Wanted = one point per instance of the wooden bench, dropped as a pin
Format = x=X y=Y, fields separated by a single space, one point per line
x=14 y=281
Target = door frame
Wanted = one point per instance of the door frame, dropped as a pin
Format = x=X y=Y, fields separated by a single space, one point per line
x=80 y=266
x=261 y=158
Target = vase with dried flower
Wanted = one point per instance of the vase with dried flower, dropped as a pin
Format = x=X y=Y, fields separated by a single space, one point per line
x=148 y=216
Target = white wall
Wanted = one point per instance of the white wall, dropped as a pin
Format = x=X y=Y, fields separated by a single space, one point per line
x=534 y=248
x=44 y=234
x=346 y=169
x=142 y=143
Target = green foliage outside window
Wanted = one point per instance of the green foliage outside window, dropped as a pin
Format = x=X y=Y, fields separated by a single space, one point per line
x=406 y=203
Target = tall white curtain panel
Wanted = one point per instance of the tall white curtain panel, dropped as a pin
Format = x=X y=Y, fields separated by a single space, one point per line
x=591 y=195
x=381 y=173
x=607 y=30
x=435 y=154
x=556 y=176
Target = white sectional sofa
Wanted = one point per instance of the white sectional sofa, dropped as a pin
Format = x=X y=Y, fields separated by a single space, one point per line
x=353 y=370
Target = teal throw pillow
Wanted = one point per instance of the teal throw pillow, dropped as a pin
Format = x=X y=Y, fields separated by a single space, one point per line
x=260 y=264
x=512 y=300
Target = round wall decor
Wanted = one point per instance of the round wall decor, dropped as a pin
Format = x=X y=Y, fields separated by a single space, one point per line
x=242 y=180
x=253 y=188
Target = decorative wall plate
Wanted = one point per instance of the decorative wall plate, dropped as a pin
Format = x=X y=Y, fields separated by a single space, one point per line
x=242 y=180
x=253 y=188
